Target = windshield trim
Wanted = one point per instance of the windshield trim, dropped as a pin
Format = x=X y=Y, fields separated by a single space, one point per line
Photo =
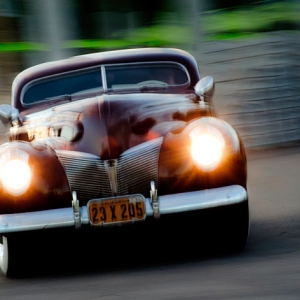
x=36 y=81
x=102 y=71
x=104 y=80
x=187 y=84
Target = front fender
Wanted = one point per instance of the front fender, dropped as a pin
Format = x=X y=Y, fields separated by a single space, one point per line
x=48 y=189
x=178 y=173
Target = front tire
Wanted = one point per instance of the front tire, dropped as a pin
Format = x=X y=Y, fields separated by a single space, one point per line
x=11 y=254
x=6 y=255
x=234 y=227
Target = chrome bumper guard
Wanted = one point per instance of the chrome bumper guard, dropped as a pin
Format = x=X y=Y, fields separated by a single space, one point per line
x=168 y=204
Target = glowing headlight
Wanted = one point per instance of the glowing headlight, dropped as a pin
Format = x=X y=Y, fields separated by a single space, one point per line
x=207 y=147
x=15 y=175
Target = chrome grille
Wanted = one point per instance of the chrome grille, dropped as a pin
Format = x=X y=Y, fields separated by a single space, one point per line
x=136 y=167
x=86 y=176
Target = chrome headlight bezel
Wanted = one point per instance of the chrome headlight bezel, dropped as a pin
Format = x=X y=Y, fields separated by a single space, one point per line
x=207 y=147
x=15 y=172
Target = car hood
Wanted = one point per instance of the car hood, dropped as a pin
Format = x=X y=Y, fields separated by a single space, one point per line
x=108 y=125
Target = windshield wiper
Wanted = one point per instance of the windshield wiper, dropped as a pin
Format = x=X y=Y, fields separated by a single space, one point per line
x=149 y=88
x=58 y=98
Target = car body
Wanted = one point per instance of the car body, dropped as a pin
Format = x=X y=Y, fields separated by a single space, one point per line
x=115 y=138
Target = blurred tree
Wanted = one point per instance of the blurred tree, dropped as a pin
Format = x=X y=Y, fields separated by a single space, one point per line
x=100 y=18
x=50 y=22
x=9 y=34
x=218 y=4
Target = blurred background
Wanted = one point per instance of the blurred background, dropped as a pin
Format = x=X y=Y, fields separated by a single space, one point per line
x=251 y=48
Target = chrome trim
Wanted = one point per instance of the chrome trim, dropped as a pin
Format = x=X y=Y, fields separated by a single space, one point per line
x=37 y=220
x=104 y=80
x=111 y=168
x=154 y=200
x=76 y=210
x=211 y=198
x=155 y=62
x=133 y=176
x=89 y=177
x=168 y=204
x=86 y=175
x=76 y=154
x=47 y=77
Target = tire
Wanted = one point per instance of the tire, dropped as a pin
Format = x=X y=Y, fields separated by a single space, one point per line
x=235 y=227
x=31 y=252
x=12 y=254
x=213 y=230
x=6 y=255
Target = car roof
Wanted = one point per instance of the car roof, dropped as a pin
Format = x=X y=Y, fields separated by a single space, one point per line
x=101 y=58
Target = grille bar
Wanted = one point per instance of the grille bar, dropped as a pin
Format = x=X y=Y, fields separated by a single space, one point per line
x=87 y=177
x=136 y=167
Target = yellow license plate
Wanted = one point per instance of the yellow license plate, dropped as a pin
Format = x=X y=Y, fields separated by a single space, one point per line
x=117 y=210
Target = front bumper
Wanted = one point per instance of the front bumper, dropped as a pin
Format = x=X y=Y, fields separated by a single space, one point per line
x=168 y=204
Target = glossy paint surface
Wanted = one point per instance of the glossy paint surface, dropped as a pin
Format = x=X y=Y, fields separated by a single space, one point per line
x=107 y=125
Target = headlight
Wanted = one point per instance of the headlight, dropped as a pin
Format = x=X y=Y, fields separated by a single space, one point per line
x=207 y=145
x=15 y=173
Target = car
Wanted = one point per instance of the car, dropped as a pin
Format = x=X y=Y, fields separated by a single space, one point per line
x=118 y=138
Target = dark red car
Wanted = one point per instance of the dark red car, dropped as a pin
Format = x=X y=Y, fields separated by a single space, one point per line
x=113 y=138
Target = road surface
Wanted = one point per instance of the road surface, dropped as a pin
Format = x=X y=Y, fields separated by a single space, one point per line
x=269 y=267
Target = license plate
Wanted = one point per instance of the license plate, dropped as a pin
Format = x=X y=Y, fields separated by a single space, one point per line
x=125 y=209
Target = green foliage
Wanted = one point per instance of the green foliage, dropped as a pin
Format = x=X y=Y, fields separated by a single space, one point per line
x=249 y=20
x=96 y=44
x=237 y=23
x=160 y=35
x=22 y=46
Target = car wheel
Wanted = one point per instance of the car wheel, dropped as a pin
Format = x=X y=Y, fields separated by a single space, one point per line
x=8 y=257
x=4 y=255
x=235 y=227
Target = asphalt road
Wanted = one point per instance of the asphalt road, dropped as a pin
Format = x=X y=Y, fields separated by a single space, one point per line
x=268 y=268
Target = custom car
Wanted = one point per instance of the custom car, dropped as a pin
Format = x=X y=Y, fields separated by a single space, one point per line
x=113 y=139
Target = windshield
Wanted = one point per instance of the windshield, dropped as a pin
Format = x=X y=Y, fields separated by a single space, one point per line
x=140 y=77
x=149 y=75
x=62 y=84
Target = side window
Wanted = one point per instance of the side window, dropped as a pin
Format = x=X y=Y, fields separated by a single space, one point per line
x=62 y=84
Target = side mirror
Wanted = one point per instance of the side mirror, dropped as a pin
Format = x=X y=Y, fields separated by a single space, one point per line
x=205 y=87
x=7 y=115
